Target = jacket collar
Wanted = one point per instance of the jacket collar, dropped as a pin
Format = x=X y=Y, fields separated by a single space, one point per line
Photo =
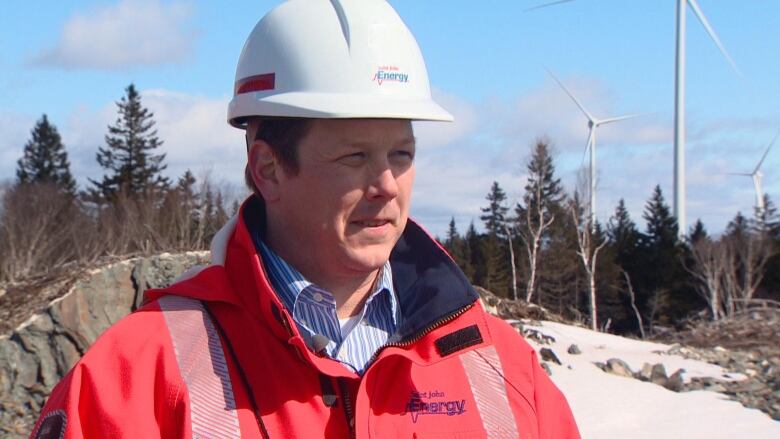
x=428 y=283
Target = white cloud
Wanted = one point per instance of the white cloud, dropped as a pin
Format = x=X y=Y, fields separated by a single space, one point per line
x=436 y=134
x=197 y=135
x=549 y=111
x=83 y=132
x=130 y=33
x=193 y=129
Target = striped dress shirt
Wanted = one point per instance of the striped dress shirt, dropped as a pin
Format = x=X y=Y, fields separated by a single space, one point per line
x=314 y=311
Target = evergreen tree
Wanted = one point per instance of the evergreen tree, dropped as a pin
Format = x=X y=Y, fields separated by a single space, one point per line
x=494 y=247
x=771 y=221
x=188 y=199
x=473 y=250
x=209 y=212
x=454 y=244
x=129 y=156
x=186 y=185
x=661 y=225
x=770 y=218
x=45 y=159
x=542 y=187
x=697 y=232
x=541 y=220
x=663 y=282
x=220 y=216
x=739 y=227
x=562 y=283
x=621 y=255
x=497 y=276
x=495 y=212
x=623 y=236
x=452 y=233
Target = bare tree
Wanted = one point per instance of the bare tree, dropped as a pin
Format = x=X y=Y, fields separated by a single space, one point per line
x=710 y=262
x=632 y=296
x=746 y=260
x=588 y=250
x=538 y=221
x=511 y=261
x=753 y=253
x=656 y=297
x=34 y=230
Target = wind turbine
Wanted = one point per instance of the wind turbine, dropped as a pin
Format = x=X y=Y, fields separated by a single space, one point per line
x=679 y=104
x=757 y=176
x=679 y=98
x=593 y=124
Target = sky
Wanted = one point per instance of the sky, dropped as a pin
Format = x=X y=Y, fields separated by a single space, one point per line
x=486 y=62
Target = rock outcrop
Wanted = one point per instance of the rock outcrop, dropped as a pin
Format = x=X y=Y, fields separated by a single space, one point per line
x=37 y=353
x=514 y=309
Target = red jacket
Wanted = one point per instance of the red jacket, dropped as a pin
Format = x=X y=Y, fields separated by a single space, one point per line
x=170 y=368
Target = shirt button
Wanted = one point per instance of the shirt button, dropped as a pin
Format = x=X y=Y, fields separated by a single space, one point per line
x=342 y=355
x=317 y=297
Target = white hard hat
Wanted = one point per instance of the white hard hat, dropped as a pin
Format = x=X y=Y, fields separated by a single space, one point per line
x=332 y=59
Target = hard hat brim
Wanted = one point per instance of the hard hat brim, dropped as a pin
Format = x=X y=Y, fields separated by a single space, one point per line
x=333 y=106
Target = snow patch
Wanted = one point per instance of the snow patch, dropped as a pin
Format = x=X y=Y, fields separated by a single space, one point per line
x=610 y=406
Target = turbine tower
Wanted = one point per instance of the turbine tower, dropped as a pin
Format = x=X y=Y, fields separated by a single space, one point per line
x=593 y=124
x=679 y=104
x=679 y=98
x=757 y=176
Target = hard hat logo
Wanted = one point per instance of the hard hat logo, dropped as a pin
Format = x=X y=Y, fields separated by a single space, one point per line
x=390 y=74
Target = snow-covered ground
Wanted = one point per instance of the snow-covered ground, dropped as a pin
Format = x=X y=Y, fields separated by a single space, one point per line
x=611 y=406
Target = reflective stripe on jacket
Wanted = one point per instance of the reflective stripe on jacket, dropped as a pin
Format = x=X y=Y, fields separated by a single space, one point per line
x=216 y=355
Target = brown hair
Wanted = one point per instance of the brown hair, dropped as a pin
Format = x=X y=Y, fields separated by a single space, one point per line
x=283 y=136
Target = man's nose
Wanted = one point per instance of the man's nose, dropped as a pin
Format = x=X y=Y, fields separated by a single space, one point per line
x=384 y=185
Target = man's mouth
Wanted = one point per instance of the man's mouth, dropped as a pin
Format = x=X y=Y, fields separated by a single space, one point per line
x=372 y=223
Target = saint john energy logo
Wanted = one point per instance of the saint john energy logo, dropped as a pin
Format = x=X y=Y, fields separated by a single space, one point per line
x=433 y=403
x=390 y=74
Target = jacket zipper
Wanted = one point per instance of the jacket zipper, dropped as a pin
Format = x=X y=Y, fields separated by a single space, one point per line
x=348 y=410
x=424 y=332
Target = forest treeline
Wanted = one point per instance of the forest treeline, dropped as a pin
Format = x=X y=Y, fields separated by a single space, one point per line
x=46 y=222
x=618 y=276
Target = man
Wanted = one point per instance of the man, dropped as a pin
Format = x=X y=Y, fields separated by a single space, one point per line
x=326 y=312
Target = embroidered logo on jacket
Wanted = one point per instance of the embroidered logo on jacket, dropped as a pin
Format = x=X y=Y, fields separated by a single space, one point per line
x=433 y=403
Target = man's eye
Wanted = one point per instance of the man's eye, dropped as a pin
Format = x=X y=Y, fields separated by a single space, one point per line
x=353 y=159
x=403 y=155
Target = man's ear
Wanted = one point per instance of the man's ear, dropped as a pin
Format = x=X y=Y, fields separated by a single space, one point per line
x=265 y=170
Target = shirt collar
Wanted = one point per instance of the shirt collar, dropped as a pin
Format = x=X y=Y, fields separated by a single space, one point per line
x=289 y=282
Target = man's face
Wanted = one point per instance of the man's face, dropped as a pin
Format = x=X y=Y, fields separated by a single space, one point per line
x=349 y=203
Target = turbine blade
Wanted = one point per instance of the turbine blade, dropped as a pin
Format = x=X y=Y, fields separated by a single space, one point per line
x=571 y=95
x=760 y=162
x=615 y=119
x=544 y=5
x=703 y=20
